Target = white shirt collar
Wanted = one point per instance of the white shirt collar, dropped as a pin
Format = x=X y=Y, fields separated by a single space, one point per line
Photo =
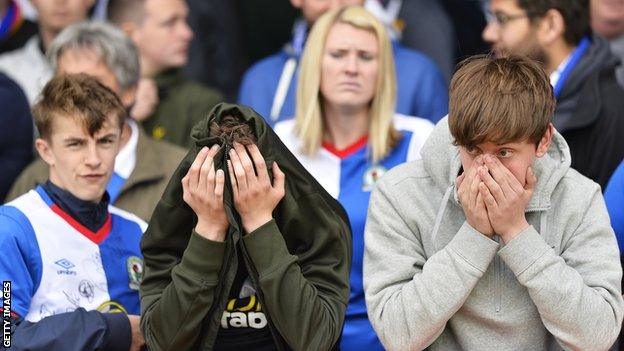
x=126 y=158
x=556 y=74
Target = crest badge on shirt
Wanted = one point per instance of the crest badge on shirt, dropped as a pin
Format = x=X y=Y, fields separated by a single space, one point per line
x=135 y=271
x=371 y=176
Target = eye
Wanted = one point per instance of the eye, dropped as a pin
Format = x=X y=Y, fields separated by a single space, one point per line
x=473 y=151
x=73 y=144
x=169 y=23
x=501 y=18
x=336 y=54
x=505 y=153
x=106 y=141
x=366 y=56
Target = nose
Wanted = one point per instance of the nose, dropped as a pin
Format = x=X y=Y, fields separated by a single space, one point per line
x=490 y=33
x=185 y=31
x=351 y=64
x=93 y=159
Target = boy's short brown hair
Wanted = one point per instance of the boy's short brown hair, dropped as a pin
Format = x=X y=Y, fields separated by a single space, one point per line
x=80 y=96
x=499 y=100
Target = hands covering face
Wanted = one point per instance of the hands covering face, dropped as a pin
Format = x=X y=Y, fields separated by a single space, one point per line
x=493 y=199
x=203 y=191
x=255 y=197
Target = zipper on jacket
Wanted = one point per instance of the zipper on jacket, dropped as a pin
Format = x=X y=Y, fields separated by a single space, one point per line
x=254 y=276
x=221 y=297
x=251 y=270
x=497 y=279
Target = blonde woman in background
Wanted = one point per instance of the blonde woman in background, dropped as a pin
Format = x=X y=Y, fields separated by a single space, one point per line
x=346 y=132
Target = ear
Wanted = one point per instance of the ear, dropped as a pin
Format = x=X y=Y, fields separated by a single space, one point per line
x=129 y=28
x=551 y=27
x=544 y=143
x=128 y=96
x=296 y=3
x=45 y=151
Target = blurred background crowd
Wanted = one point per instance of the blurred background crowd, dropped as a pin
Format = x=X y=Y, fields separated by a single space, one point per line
x=171 y=61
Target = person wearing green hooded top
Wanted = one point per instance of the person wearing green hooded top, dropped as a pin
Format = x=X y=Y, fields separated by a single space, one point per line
x=245 y=250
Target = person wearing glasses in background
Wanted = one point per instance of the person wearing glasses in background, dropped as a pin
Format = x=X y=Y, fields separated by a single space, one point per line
x=590 y=102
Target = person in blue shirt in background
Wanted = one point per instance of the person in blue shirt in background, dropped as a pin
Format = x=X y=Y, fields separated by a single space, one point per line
x=346 y=132
x=614 y=197
x=269 y=85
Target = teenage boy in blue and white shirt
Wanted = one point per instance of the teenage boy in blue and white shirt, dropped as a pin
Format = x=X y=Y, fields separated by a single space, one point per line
x=72 y=260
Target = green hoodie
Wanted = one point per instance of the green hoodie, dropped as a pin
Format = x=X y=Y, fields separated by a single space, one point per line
x=299 y=262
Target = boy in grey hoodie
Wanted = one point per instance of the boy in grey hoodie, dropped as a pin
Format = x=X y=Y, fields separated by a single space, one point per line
x=492 y=241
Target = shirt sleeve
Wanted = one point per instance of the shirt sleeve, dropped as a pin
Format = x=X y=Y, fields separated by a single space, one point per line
x=77 y=330
x=20 y=262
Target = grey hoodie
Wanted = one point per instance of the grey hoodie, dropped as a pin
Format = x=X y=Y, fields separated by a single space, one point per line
x=431 y=280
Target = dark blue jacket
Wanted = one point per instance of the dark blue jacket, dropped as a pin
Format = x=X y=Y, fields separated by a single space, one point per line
x=16 y=133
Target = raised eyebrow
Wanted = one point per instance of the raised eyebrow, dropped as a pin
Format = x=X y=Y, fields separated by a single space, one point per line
x=368 y=52
x=73 y=140
x=108 y=136
x=168 y=19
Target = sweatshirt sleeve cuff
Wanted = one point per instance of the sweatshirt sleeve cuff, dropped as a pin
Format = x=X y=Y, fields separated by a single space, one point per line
x=119 y=333
x=523 y=250
x=266 y=246
x=203 y=258
x=477 y=249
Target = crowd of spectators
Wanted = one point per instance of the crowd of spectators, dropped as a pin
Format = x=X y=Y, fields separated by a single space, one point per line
x=350 y=88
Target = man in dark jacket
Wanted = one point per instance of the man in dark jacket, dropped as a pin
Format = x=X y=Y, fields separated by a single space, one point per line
x=235 y=261
x=590 y=103
x=160 y=32
x=15 y=142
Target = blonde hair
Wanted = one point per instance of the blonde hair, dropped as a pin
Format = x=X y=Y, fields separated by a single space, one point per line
x=309 y=124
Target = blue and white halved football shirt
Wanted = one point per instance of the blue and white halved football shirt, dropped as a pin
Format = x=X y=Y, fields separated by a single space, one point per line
x=349 y=176
x=56 y=265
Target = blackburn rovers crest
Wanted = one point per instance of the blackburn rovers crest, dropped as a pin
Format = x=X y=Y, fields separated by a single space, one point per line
x=371 y=176
x=135 y=271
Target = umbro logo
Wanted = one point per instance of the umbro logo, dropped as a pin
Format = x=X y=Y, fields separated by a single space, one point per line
x=66 y=265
